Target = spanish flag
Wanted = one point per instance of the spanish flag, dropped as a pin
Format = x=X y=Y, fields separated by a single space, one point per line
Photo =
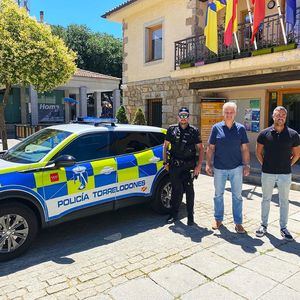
x=258 y=15
x=230 y=21
x=211 y=24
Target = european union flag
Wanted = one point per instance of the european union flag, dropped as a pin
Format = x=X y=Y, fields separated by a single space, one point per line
x=290 y=16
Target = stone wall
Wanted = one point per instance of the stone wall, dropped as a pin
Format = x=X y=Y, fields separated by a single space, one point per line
x=173 y=93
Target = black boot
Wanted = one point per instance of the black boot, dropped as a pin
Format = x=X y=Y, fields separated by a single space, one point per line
x=190 y=220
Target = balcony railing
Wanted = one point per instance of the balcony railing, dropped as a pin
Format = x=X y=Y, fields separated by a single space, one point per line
x=193 y=50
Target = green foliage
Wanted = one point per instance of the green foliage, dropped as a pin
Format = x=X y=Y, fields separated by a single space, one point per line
x=121 y=115
x=96 y=52
x=139 y=118
x=29 y=53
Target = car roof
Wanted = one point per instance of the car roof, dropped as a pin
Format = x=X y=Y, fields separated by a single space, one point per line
x=85 y=128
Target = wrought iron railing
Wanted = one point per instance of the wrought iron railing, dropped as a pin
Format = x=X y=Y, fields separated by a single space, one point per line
x=193 y=50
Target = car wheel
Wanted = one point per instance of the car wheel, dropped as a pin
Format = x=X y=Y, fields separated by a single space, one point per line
x=18 y=228
x=161 y=202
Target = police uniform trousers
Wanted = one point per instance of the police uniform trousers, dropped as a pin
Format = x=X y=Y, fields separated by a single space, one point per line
x=181 y=182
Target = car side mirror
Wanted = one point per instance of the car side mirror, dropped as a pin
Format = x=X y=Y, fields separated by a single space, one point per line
x=64 y=161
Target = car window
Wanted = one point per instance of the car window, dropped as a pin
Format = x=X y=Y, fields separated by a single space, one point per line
x=36 y=146
x=88 y=147
x=156 y=138
x=128 y=142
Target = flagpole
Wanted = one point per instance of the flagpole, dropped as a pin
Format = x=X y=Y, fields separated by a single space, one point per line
x=281 y=22
x=237 y=43
x=251 y=22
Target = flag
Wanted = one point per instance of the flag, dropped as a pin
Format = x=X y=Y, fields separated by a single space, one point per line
x=211 y=24
x=258 y=15
x=220 y=4
x=290 y=16
x=211 y=28
x=230 y=21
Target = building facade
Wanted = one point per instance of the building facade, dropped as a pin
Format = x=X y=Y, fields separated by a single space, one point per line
x=88 y=89
x=166 y=65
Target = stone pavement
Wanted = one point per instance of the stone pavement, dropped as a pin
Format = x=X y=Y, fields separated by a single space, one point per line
x=133 y=254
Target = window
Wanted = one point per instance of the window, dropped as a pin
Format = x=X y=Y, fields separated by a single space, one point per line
x=156 y=138
x=88 y=147
x=129 y=142
x=36 y=147
x=154 y=43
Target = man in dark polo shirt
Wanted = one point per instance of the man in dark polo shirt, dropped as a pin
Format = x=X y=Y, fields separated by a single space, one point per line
x=277 y=150
x=229 y=144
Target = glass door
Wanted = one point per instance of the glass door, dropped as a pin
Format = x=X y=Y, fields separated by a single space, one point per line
x=291 y=101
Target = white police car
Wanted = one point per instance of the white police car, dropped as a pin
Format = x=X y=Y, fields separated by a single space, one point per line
x=68 y=171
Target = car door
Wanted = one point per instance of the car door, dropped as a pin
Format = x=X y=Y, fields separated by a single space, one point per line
x=91 y=181
x=137 y=164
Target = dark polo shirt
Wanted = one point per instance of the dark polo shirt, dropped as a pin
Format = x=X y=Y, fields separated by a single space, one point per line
x=278 y=149
x=228 y=154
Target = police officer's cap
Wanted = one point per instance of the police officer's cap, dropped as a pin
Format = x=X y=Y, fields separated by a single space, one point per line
x=184 y=110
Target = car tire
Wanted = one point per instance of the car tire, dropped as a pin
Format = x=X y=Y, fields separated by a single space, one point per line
x=16 y=240
x=161 y=201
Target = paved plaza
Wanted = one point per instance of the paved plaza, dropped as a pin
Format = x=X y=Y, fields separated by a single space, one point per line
x=133 y=254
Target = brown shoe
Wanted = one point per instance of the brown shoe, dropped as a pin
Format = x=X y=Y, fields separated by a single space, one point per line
x=239 y=228
x=216 y=225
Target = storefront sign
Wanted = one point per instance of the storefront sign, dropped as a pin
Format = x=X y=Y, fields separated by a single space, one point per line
x=51 y=113
x=211 y=113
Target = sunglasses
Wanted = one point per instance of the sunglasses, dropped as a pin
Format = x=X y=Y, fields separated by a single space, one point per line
x=183 y=116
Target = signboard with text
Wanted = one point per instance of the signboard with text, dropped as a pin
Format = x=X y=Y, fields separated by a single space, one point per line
x=211 y=113
x=51 y=113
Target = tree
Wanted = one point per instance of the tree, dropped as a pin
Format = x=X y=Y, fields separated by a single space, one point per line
x=121 y=115
x=96 y=52
x=29 y=55
x=139 y=118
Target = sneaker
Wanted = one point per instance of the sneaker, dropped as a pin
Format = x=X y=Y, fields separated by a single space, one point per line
x=286 y=234
x=172 y=219
x=261 y=231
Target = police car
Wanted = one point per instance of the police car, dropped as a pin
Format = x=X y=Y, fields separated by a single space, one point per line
x=68 y=171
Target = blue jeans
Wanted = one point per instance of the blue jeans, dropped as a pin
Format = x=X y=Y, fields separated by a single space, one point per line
x=235 y=177
x=283 y=184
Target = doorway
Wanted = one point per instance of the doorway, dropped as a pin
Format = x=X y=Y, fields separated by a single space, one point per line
x=154 y=112
x=290 y=99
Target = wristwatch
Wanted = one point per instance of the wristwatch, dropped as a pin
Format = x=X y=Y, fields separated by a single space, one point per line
x=247 y=165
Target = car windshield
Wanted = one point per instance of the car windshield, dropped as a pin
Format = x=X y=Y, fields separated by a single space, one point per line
x=36 y=147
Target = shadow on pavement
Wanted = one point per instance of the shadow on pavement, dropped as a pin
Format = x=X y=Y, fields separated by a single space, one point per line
x=195 y=232
x=292 y=247
x=55 y=243
x=247 y=243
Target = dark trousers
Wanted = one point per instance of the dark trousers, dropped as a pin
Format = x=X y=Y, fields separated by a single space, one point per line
x=181 y=181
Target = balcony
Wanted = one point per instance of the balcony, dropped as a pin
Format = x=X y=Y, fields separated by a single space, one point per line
x=193 y=52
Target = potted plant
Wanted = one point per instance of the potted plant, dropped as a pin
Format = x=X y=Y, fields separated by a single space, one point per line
x=244 y=53
x=186 y=62
x=266 y=50
x=291 y=44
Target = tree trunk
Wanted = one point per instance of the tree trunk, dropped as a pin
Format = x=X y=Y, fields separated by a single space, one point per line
x=3 y=132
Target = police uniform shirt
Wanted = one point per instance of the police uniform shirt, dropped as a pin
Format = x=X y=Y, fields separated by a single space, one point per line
x=176 y=135
x=278 y=149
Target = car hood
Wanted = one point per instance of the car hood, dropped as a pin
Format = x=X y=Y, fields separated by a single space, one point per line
x=8 y=164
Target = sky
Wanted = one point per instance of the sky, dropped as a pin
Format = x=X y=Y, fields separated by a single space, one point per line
x=83 y=12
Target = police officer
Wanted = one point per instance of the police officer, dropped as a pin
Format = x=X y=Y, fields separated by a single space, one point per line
x=180 y=161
